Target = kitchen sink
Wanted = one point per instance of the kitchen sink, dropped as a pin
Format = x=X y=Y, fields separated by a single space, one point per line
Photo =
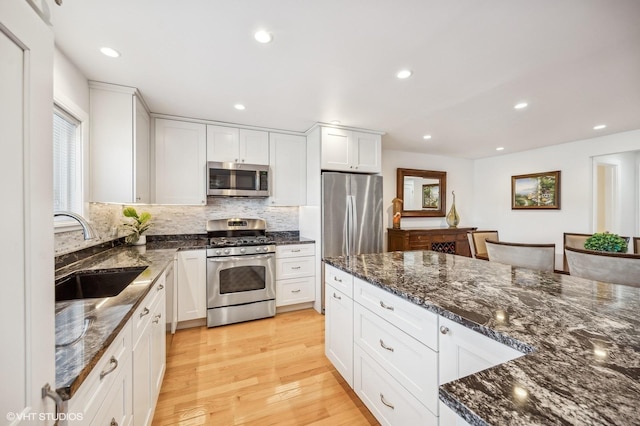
x=96 y=283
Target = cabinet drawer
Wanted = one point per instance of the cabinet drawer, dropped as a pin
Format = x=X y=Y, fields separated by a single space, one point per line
x=389 y=402
x=115 y=361
x=143 y=313
x=117 y=405
x=412 y=319
x=410 y=362
x=296 y=250
x=341 y=280
x=295 y=267
x=295 y=290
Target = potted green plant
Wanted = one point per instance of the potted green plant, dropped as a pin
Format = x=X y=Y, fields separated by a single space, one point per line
x=137 y=225
x=604 y=241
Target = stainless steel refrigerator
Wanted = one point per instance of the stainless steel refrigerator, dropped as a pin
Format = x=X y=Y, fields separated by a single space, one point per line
x=351 y=215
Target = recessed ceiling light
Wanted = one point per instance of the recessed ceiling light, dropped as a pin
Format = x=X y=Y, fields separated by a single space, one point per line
x=240 y=107
x=599 y=127
x=426 y=137
x=107 y=51
x=521 y=105
x=500 y=148
x=263 y=37
x=335 y=122
x=402 y=74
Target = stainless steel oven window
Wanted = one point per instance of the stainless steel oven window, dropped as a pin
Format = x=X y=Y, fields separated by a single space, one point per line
x=242 y=278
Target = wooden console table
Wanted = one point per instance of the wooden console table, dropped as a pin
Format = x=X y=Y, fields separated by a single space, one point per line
x=444 y=240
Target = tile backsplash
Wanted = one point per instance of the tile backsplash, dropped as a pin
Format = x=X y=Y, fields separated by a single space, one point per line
x=169 y=219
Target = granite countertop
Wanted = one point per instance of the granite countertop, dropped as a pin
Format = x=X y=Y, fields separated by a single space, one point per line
x=108 y=316
x=581 y=337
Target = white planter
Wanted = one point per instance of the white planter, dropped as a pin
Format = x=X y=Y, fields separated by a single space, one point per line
x=141 y=241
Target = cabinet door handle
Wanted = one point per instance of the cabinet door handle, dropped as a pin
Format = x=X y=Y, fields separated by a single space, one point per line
x=444 y=330
x=113 y=422
x=391 y=308
x=335 y=296
x=336 y=279
x=112 y=361
x=144 y=312
x=389 y=348
x=386 y=403
x=160 y=287
x=295 y=267
x=157 y=318
x=295 y=291
x=295 y=251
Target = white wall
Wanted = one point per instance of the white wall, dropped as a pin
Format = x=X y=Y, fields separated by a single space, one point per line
x=459 y=179
x=492 y=189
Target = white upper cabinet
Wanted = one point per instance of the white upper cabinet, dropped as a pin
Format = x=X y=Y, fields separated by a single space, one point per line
x=288 y=169
x=119 y=144
x=232 y=145
x=350 y=151
x=181 y=161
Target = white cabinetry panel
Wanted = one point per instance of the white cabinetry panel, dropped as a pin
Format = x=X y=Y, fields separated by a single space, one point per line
x=339 y=332
x=288 y=169
x=233 y=145
x=350 y=151
x=192 y=285
x=180 y=172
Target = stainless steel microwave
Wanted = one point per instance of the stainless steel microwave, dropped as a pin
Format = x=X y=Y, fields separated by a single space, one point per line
x=237 y=179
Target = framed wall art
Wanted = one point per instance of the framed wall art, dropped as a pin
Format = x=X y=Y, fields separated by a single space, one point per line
x=536 y=191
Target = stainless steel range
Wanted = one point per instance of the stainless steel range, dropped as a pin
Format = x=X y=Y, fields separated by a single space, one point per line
x=241 y=281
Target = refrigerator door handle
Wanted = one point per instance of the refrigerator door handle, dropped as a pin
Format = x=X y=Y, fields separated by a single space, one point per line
x=347 y=229
x=354 y=224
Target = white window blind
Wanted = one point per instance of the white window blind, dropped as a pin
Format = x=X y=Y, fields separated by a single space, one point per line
x=67 y=162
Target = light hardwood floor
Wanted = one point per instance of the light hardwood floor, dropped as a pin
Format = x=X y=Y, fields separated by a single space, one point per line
x=265 y=372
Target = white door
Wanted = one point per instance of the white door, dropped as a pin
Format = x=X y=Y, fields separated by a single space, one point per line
x=192 y=282
x=288 y=161
x=336 y=150
x=222 y=144
x=180 y=162
x=367 y=151
x=254 y=147
x=339 y=332
x=27 y=361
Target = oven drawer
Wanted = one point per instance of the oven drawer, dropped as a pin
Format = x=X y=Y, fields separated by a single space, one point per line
x=294 y=267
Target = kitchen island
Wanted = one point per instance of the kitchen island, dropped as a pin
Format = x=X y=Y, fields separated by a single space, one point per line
x=581 y=338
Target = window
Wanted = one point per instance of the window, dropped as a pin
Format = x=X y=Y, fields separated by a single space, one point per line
x=67 y=162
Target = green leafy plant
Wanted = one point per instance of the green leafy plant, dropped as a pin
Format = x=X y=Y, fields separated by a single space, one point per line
x=137 y=225
x=605 y=241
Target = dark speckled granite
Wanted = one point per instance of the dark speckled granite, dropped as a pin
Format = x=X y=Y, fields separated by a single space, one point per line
x=289 y=237
x=582 y=338
x=107 y=315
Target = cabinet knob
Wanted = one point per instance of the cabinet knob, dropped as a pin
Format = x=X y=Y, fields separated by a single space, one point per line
x=138 y=198
x=295 y=291
x=351 y=167
x=113 y=422
x=144 y=312
x=356 y=167
x=444 y=330
x=236 y=160
x=335 y=296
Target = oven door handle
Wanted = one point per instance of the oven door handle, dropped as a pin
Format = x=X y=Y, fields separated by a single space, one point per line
x=240 y=258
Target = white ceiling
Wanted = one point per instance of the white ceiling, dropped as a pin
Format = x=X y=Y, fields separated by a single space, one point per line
x=576 y=62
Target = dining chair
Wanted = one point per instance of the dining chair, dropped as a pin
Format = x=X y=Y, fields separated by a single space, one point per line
x=477 y=245
x=533 y=256
x=636 y=245
x=576 y=241
x=616 y=268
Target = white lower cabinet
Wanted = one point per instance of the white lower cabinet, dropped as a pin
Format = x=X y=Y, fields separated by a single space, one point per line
x=192 y=285
x=464 y=352
x=387 y=399
x=116 y=409
x=338 y=331
x=396 y=354
x=295 y=274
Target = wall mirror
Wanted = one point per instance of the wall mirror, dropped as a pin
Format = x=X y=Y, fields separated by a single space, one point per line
x=423 y=192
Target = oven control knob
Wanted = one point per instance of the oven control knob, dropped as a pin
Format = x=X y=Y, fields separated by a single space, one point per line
x=227 y=251
x=242 y=250
x=258 y=249
x=218 y=252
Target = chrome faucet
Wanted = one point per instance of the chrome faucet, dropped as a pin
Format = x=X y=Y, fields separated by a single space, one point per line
x=87 y=229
